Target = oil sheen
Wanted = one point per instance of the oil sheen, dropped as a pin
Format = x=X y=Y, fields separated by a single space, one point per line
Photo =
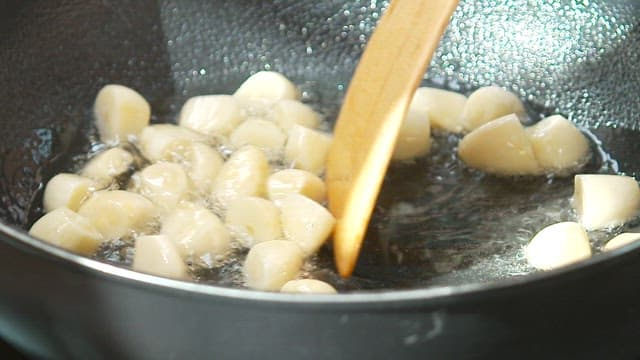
x=436 y=223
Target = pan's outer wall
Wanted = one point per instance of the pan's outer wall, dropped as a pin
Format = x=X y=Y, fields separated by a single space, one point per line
x=56 y=54
x=56 y=309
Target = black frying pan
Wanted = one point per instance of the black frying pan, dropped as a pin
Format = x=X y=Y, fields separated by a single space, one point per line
x=434 y=281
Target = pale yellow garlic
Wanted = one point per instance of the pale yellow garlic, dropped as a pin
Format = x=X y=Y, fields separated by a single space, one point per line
x=558 y=144
x=107 y=165
x=558 y=245
x=270 y=264
x=65 y=228
x=196 y=231
x=116 y=214
x=605 y=200
x=202 y=163
x=254 y=220
x=260 y=133
x=288 y=112
x=307 y=149
x=443 y=107
x=621 y=240
x=164 y=183
x=307 y=286
x=120 y=113
x=268 y=85
x=489 y=103
x=213 y=115
x=157 y=255
x=67 y=190
x=161 y=141
x=295 y=181
x=244 y=174
x=500 y=147
x=414 y=137
x=305 y=222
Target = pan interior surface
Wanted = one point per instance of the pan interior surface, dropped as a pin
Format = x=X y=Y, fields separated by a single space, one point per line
x=437 y=222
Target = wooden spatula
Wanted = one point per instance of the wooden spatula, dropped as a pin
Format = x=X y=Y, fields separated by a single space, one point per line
x=393 y=63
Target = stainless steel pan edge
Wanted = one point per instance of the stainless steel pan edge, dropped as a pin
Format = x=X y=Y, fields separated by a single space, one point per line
x=66 y=306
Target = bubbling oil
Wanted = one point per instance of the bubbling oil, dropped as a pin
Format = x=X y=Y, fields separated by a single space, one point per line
x=436 y=223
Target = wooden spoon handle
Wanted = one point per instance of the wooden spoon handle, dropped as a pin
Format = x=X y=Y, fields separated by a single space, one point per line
x=392 y=66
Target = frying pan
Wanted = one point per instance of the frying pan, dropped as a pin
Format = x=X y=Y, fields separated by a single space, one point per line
x=413 y=295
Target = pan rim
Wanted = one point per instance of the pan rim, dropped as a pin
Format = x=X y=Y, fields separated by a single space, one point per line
x=371 y=297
